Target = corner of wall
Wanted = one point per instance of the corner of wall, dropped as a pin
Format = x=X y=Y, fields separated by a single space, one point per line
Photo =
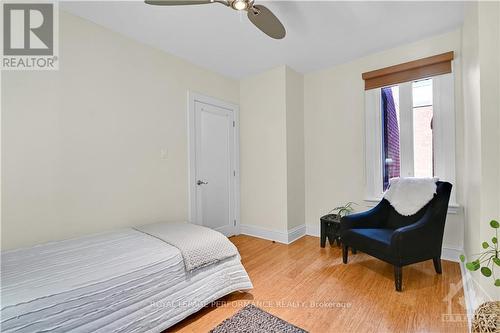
x=481 y=87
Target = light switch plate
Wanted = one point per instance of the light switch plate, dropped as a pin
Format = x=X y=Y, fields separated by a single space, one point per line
x=164 y=154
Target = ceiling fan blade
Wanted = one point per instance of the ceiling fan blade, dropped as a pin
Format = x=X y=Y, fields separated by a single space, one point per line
x=177 y=2
x=266 y=21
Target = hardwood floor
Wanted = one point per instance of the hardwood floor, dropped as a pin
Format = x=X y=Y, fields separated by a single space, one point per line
x=311 y=288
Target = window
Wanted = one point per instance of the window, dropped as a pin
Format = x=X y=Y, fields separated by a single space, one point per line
x=423 y=146
x=410 y=132
x=422 y=161
x=390 y=134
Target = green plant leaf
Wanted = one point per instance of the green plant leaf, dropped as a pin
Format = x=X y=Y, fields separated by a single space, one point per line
x=472 y=266
x=486 y=271
x=462 y=258
x=497 y=282
x=494 y=240
x=494 y=224
x=496 y=261
x=485 y=245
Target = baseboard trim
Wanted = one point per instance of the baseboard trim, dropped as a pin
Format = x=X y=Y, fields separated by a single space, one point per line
x=312 y=230
x=448 y=252
x=296 y=233
x=474 y=293
x=278 y=236
x=469 y=294
x=451 y=253
x=259 y=232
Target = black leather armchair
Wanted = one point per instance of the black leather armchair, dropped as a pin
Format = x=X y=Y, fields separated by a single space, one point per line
x=399 y=240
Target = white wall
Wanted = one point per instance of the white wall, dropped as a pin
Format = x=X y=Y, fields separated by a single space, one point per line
x=334 y=131
x=472 y=128
x=481 y=67
x=295 y=148
x=489 y=53
x=272 y=153
x=81 y=146
x=263 y=154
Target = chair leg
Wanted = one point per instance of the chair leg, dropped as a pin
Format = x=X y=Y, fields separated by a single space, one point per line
x=398 y=277
x=345 y=252
x=437 y=265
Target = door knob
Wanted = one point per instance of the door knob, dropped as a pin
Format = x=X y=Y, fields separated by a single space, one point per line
x=199 y=182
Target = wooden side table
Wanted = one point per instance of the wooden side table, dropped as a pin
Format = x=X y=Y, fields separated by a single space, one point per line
x=330 y=228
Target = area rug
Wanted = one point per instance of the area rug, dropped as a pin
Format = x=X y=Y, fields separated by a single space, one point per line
x=251 y=319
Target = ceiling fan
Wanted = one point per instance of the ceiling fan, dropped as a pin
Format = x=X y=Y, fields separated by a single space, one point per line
x=259 y=15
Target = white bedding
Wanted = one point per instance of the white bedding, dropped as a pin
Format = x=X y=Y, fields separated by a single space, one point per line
x=124 y=281
x=199 y=246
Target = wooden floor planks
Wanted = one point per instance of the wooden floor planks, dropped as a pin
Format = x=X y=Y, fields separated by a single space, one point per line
x=311 y=288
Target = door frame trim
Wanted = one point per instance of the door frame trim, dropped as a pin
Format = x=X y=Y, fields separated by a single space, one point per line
x=191 y=130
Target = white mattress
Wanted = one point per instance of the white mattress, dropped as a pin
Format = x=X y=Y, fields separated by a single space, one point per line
x=124 y=281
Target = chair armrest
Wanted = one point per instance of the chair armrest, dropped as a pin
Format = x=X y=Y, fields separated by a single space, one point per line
x=410 y=231
x=373 y=218
x=430 y=227
x=421 y=236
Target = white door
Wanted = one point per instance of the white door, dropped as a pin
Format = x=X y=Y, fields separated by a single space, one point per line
x=214 y=181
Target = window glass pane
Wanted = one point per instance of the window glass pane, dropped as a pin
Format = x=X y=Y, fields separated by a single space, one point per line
x=422 y=129
x=390 y=140
x=422 y=93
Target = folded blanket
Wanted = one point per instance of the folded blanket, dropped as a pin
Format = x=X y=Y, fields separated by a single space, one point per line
x=199 y=246
x=409 y=195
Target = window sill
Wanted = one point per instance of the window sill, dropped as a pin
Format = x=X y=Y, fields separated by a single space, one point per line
x=453 y=208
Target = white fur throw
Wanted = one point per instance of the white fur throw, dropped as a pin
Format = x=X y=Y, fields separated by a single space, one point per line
x=409 y=195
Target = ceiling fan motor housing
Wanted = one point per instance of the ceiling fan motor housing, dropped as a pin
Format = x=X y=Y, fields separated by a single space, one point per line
x=241 y=4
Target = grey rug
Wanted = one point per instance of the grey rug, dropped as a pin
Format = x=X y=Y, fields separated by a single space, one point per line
x=251 y=319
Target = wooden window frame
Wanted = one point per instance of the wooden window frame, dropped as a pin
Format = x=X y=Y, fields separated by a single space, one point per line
x=409 y=71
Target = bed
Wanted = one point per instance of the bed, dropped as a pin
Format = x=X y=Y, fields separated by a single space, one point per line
x=122 y=281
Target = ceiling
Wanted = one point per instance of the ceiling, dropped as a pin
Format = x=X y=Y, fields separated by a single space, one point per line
x=319 y=33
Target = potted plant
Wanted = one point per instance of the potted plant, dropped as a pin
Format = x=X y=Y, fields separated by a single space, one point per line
x=342 y=211
x=330 y=223
x=489 y=259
